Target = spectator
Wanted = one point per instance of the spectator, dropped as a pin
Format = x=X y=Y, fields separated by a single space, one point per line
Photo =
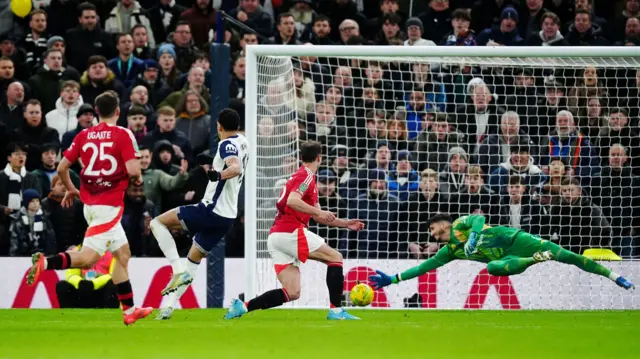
x=591 y=121
x=567 y=142
x=475 y=197
x=35 y=43
x=86 y=118
x=551 y=191
x=434 y=142
x=586 y=86
x=237 y=82
x=163 y=18
x=246 y=38
x=376 y=131
x=348 y=29
x=304 y=93
x=436 y=20
x=585 y=33
x=156 y=181
x=321 y=31
x=126 y=67
x=195 y=187
x=168 y=73
x=587 y=6
x=505 y=33
x=202 y=17
x=519 y=210
x=124 y=16
x=99 y=79
x=403 y=180
x=46 y=83
x=329 y=200
x=137 y=216
x=35 y=133
x=418 y=103
x=415 y=30
x=48 y=169
x=391 y=30
x=183 y=48
x=195 y=82
x=58 y=43
x=520 y=95
x=379 y=211
x=496 y=148
x=346 y=175
x=62 y=16
x=303 y=15
x=88 y=40
x=157 y=88
x=479 y=118
x=619 y=131
x=31 y=231
x=616 y=192
x=323 y=127
x=422 y=206
x=141 y=47
x=342 y=12
x=136 y=120
x=626 y=26
x=531 y=18
x=167 y=131
x=286 y=34
x=15 y=179
x=201 y=61
x=17 y=55
x=453 y=176
x=542 y=118
x=194 y=120
x=397 y=135
x=68 y=230
x=520 y=164
x=11 y=107
x=550 y=34
x=252 y=14
x=139 y=96
x=63 y=119
x=7 y=72
x=578 y=223
x=631 y=33
x=461 y=35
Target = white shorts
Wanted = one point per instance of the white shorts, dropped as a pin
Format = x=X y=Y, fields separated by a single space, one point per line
x=292 y=248
x=105 y=232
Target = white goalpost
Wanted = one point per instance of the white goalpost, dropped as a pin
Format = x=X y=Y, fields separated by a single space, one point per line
x=543 y=139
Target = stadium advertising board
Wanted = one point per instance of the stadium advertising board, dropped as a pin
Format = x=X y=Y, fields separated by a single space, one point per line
x=458 y=285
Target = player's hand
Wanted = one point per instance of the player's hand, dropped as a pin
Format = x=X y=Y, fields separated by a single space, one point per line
x=381 y=280
x=470 y=246
x=69 y=196
x=355 y=225
x=242 y=16
x=326 y=217
x=214 y=176
x=184 y=167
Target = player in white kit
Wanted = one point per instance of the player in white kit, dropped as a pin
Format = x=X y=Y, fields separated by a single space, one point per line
x=212 y=218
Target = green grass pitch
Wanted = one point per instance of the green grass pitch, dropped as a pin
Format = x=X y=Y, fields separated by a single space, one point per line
x=281 y=334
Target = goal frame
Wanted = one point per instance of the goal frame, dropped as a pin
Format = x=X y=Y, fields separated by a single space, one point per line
x=251 y=100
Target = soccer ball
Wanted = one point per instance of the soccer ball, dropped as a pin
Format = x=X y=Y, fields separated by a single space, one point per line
x=361 y=295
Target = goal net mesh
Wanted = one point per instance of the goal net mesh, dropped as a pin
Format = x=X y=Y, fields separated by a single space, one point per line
x=547 y=145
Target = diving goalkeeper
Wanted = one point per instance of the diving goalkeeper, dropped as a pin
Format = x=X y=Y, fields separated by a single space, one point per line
x=507 y=251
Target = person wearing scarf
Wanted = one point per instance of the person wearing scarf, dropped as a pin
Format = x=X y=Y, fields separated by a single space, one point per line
x=69 y=231
x=30 y=229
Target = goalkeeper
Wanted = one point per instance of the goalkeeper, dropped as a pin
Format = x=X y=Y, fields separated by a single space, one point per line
x=507 y=251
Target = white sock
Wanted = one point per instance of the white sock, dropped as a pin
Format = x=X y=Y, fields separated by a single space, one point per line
x=167 y=244
x=613 y=276
x=130 y=310
x=192 y=269
x=336 y=309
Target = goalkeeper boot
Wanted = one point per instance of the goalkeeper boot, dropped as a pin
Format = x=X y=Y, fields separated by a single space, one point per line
x=624 y=283
x=341 y=315
x=543 y=256
x=237 y=310
x=138 y=313
x=177 y=280
x=37 y=267
x=165 y=313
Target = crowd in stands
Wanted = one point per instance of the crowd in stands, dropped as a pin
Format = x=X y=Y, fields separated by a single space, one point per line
x=553 y=151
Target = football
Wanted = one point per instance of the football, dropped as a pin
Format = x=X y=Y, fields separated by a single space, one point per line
x=361 y=295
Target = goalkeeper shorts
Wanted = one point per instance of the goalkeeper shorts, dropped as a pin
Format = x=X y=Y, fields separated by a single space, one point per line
x=292 y=248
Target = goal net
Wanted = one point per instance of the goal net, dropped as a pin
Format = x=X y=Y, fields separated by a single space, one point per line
x=545 y=140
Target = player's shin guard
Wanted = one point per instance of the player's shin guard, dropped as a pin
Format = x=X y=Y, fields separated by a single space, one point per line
x=271 y=299
x=125 y=296
x=58 y=261
x=335 y=283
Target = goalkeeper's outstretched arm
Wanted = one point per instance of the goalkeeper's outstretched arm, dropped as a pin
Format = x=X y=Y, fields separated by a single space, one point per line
x=441 y=258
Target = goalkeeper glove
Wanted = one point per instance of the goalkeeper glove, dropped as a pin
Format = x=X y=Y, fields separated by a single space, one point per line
x=214 y=176
x=470 y=246
x=382 y=279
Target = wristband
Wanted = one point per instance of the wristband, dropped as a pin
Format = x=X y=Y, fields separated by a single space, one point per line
x=396 y=279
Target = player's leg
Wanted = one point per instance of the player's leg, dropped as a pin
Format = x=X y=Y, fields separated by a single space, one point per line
x=510 y=265
x=120 y=277
x=161 y=227
x=194 y=258
x=289 y=277
x=86 y=258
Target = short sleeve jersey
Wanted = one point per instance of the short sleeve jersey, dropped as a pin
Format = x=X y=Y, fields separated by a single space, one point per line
x=288 y=220
x=103 y=150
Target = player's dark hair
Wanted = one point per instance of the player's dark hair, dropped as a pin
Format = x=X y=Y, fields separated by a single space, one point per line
x=17 y=146
x=309 y=151
x=107 y=104
x=229 y=119
x=439 y=217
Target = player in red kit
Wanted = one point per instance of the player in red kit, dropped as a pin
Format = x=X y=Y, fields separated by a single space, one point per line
x=109 y=157
x=290 y=243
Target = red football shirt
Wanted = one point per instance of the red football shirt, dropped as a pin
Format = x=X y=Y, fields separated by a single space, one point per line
x=103 y=151
x=288 y=219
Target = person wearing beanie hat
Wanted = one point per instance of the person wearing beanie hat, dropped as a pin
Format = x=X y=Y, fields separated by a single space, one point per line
x=86 y=117
x=167 y=49
x=30 y=229
x=415 y=30
x=503 y=34
x=55 y=42
x=452 y=178
x=157 y=90
x=167 y=62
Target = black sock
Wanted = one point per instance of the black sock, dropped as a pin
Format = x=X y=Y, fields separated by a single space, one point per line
x=270 y=299
x=59 y=261
x=335 y=283
x=125 y=294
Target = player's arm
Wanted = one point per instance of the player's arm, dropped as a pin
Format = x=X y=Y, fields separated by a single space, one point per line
x=233 y=168
x=133 y=168
x=442 y=257
x=476 y=223
x=352 y=224
x=295 y=202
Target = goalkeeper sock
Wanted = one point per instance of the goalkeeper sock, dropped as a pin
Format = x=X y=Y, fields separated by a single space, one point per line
x=509 y=266
x=335 y=283
x=270 y=299
x=125 y=296
x=192 y=269
x=167 y=244
x=58 y=261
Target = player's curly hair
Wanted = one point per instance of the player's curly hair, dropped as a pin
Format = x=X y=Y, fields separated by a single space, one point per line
x=440 y=217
